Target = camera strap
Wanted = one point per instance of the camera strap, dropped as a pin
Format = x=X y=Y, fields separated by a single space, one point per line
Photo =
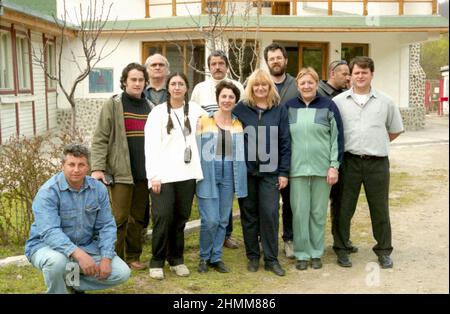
x=182 y=129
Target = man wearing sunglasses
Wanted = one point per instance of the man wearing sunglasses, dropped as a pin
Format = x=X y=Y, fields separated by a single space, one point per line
x=338 y=81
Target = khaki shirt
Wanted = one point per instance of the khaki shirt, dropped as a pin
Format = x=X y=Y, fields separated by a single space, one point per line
x=367 y=126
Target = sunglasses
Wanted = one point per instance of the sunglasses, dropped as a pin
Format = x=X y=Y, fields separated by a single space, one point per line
x=337 y=63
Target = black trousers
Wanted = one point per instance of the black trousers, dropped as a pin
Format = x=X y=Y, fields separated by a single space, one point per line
x=171 y=210
x=288 y=234
x=259 y=217
x=374 y=175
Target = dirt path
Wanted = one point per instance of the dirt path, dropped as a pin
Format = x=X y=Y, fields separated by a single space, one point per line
x=420 y=236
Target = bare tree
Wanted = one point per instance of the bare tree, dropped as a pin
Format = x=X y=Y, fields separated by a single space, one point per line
x=229 y=28
x=89 y=25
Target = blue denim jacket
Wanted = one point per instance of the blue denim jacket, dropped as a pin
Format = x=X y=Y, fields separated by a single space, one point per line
x=65 y=219
x=207 y=133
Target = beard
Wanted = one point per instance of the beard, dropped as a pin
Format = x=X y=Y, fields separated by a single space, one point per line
x=278 y=72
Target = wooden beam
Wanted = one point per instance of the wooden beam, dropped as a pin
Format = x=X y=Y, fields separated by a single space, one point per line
x=365 y=2
x=34 y=23
x=401 y=7
x=330 y=7
x=174 y=7
x=147 y=8
x=294 y=7
x=434 y=7
x=203 y=6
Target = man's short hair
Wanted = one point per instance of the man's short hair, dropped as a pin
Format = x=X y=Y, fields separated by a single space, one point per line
x=76 y=150
x=363 y=63
x=274 y=47
x=221 y=54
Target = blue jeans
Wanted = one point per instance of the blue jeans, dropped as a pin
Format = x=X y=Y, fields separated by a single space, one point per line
x=58 y=274
x=215 y=213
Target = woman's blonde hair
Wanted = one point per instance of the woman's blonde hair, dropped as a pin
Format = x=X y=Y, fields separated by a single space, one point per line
x=308 y=71
x=261 y=77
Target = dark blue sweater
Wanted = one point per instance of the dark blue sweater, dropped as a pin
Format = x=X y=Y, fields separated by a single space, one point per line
x=272 y=142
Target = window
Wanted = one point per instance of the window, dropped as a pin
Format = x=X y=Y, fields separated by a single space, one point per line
x=6 y=72
x=314 y=55
x=350 y=50
x=180 y=55
x=51 y=64
x=23 y=62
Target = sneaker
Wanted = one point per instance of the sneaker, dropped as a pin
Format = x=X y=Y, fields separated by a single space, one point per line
x=202 y=267
x=157 y=273
x=344 y=260
x=385 y=261
x=289 y=249
x=230 y=243
x=180 y=270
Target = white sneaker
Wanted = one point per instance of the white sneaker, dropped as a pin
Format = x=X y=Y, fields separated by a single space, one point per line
x=157 y=273
x=289 y=249
x=180 y=270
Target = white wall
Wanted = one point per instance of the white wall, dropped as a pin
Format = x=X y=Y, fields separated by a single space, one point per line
x=122 y=10
x=389 y=51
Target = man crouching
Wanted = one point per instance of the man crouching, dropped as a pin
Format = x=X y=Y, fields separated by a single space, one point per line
x=73 y=234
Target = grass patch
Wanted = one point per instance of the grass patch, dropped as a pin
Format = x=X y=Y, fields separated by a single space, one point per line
x=405 y=190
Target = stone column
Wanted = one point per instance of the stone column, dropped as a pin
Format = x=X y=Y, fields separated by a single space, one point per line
x=414 y=115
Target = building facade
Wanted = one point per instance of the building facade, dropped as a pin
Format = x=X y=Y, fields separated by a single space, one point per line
x=314 y=33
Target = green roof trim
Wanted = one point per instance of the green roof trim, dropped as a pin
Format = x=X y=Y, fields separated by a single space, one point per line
x=45 y=7
x=42 y=9
x=271 y=21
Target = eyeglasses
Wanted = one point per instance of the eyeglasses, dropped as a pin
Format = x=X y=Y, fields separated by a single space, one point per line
x=179 y=84
x=335 y=64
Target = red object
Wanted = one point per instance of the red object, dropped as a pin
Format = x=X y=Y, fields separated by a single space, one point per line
x=441 y=95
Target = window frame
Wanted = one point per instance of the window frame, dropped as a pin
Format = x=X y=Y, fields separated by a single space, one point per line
x=50 y=84
x=24 y=56
x=9 y=59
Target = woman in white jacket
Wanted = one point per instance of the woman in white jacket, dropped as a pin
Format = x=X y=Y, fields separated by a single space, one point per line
x=173 y=166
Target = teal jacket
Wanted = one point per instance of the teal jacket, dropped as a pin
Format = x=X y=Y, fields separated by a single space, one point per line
x=317 y=137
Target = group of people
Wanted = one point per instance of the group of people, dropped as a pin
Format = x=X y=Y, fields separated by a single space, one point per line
x=306 y=140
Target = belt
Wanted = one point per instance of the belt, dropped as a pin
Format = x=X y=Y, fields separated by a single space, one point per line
x=365 y=157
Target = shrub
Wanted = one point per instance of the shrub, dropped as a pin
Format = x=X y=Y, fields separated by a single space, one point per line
x=26 y=162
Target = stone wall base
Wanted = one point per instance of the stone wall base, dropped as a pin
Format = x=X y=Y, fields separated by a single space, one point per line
x=413 y=118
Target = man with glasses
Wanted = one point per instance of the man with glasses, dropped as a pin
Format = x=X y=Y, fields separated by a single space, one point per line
x=276 y=60
x=158 y=68
x=204 y=94
x=339 y=79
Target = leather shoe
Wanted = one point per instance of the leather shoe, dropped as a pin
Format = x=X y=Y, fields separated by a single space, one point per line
x=136 y=265
x=302 y=265
x=385 y=261
x=316 y=263
x=253 y=265
x=276 y=269
x=220 y=267
x=343 y=260
x=202 y=267
x=230 y=243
